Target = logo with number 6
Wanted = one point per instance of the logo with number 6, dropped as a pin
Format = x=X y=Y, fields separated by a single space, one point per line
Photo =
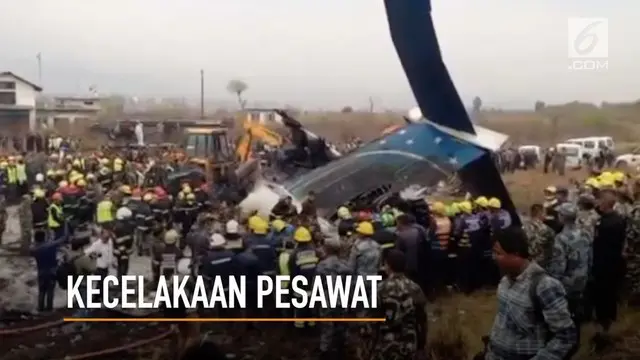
x=588 y=38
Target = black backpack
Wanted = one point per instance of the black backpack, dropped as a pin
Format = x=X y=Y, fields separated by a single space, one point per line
x=536 y=277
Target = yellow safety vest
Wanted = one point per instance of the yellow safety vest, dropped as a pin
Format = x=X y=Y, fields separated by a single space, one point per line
x=12 y=176
x=57 y=210
x=117 y=166
x=283 y=266
x=21 y=173
x=104 y=212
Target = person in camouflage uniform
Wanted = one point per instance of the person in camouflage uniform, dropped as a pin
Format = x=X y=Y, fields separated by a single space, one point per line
x=402 y=303
x=570 y=263
x=624 y=204
x=632 y=255
x=540 y=236
x=26 y=222
x=332 y=334
x=587 y=215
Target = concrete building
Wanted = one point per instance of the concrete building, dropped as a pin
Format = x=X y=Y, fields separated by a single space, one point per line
x=263 y=116
x=17 y=104
x=66 y=114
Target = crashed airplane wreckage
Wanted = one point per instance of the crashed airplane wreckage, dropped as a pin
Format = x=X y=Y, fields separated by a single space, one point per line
x=430 y=147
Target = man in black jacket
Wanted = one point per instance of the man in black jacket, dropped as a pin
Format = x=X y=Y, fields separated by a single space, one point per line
x=608 y=266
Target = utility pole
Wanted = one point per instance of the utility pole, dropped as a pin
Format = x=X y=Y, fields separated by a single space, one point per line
x=39 y=59
x=202 y=94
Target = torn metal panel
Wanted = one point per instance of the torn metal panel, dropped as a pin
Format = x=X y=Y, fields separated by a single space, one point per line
x=416 y=154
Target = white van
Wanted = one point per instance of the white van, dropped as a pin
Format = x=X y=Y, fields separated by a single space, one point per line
x=573 y=154
x=594 y=144
x=535 y=149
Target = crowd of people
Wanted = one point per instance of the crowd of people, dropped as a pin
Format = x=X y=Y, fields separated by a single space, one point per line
x=567 y=261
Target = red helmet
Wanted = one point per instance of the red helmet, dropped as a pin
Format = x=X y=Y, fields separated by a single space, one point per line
x=159 y=191
x=364 y=216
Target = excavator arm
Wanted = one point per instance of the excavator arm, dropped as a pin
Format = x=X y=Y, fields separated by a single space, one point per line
x=252 y=132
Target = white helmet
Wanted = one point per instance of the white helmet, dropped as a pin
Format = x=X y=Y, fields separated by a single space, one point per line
x=39 y=177
x=217 y=241
x=232 y=227
x=123 y=213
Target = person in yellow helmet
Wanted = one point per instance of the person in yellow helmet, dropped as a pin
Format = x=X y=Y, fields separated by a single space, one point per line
x=455 y=209
x=592 y=184
x=253 y=221
x=499 y=219
x=281 y=233
x=470 y=239
x=303 y=262
x=366 y=253
x=481 y=203
x=439 y=254
x=263 y=246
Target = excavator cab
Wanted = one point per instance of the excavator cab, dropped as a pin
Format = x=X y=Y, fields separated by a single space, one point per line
x=208 y=146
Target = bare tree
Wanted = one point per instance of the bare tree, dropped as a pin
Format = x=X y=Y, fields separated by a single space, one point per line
x=238 y=87
x=346 y=110
x=539 y=106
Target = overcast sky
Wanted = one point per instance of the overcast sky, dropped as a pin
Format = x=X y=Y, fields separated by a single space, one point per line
x=312 y=53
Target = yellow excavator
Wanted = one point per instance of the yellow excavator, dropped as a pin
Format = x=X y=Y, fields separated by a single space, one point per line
x=207 y=145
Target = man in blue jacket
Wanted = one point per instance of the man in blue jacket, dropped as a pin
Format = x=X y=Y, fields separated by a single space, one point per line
x=45 y=254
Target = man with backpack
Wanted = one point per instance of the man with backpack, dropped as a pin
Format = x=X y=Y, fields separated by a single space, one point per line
x=533 y=319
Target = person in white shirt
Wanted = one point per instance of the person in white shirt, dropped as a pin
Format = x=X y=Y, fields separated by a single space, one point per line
x=102 y=251
x=139 y=131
